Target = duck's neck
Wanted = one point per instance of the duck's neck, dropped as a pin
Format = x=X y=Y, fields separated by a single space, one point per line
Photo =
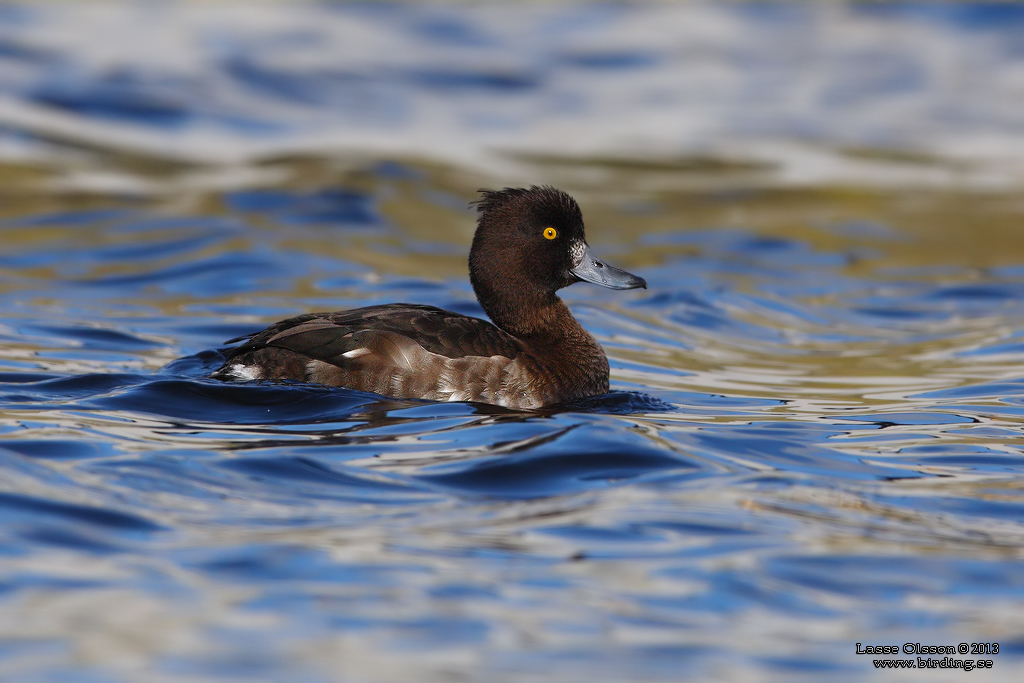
x=543 y=321
x=520 y=307
x=526 y=316
x=529 y=311
x=563 y=336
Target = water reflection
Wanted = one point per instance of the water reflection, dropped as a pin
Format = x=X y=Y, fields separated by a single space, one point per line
x=813 y=437
x=801 y=412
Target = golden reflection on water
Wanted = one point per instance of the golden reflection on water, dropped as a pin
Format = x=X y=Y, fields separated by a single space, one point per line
x=958 y=233
x=929 y=236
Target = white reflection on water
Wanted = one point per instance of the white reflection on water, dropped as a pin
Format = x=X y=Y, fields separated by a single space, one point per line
x=810 y=89
x=835 y=456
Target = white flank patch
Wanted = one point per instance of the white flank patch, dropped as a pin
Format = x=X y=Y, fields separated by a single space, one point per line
x=246 y=372
x=356 y=353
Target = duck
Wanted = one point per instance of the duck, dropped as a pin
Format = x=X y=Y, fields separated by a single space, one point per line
x=529 y=243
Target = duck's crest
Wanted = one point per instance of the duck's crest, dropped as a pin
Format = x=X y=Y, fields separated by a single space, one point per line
x=498 y=200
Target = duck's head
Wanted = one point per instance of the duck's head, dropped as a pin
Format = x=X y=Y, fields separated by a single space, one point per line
x=529 y=243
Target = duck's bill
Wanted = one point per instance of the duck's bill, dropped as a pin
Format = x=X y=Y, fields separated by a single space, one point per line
x=591 y=269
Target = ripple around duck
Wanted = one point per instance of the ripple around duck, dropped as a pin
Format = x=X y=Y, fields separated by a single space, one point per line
x=569 y=462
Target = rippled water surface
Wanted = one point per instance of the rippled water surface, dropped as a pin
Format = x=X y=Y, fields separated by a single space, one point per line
x=814 y=435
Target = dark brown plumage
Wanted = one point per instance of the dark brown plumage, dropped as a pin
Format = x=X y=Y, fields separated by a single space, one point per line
x=528 y=244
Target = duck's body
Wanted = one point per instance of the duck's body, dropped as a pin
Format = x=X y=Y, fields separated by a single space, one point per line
x=414 y=351
x=528 y=244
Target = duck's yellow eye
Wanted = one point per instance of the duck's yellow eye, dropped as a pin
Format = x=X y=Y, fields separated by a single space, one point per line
x=550 y=233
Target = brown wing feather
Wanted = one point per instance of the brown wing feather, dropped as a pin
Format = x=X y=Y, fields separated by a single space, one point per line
x=328 y=336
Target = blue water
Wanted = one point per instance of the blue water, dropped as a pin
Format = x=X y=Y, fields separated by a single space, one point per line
x=813 y=438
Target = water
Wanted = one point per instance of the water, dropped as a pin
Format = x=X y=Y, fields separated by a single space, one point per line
x=814 y=435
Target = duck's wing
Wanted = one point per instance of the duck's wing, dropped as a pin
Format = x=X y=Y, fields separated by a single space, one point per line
x=405 y=350
x=329 y=336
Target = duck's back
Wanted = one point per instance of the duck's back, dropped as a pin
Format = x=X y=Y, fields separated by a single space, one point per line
x=400 y=350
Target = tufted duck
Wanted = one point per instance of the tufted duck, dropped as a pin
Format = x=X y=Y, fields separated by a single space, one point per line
x=529 y=243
